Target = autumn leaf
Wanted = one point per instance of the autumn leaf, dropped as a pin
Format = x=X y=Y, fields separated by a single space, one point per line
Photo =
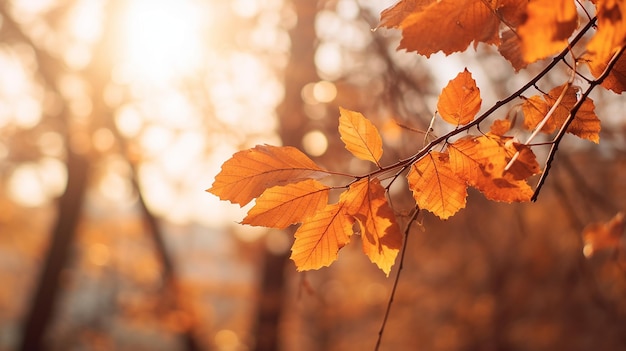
x=435 y=186
x=248 y=173
x=511 y=49
x=281 y=206
x=481 y=161
x=380 y=232
x=611 y=33
x=360 y=136
x=616 y=79
x=319 y=238
x=525 y=164
x=548 y=25
x=393 y=16
x=445 y=25
x=604 y=236
x=585 y=125
x=500 y=126
x=460 y=100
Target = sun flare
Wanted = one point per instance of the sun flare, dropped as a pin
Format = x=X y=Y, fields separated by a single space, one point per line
x=162 y=39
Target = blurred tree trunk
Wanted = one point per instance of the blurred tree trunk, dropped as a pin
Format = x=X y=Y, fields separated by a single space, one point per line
x=299 y=71
x=70 y=203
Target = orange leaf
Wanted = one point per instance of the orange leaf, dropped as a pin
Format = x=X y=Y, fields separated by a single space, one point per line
x=603 y=236
x=393 y=16
x=616 y=80
x=320 y=237
x=526 y=163
x=500 y=126
x=510 y=48
x=446 y=25
x=436 y=187
x=611 y=34
x=547 y=28
x=460 y=100
x=248 y=173
x=360 y=136
x=481 y=162
x=281 y=206
x=585 y=125
x=381 y=236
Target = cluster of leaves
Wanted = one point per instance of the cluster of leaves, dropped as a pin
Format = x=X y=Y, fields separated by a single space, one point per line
x=286 y=183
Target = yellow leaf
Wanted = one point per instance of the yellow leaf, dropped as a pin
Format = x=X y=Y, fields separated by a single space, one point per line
x=381 y=237
x=248 y=173
x=585 y=125
x=320 y=237
x=460 y=100
x=436 y=187
x=481 y=162
x=360 y=136
x=281 y=206
x=547 y=28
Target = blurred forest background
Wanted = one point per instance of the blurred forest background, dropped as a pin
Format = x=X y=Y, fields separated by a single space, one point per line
x=115 y=115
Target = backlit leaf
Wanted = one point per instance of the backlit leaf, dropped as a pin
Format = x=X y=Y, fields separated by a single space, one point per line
x=460 y=100
x=319 y=239
x=393 y=16
x=281 y=206
x=548 y=25
x=360 y=136
x=525 y=164
x=585 y=125
x=248 y=173
x=445 y=25
x=511 y=49
x=436 y=187
x=611 y=34
x=500 y=126
x=380 y=233
x=481 y=162
x=616 y=80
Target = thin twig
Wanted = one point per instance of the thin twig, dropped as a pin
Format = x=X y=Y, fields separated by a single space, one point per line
x=395 y=282
x=570 y=119
x=405 y=163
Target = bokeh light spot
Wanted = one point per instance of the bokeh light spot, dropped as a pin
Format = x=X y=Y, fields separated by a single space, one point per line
x=315 y=143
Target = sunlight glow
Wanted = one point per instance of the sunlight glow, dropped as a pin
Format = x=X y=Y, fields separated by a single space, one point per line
x=162 y=38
